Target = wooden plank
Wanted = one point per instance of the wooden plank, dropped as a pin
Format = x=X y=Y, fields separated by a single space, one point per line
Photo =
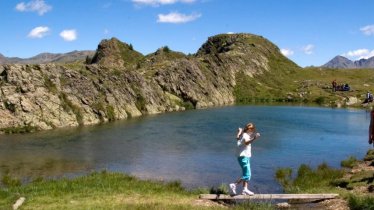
x=269 y=196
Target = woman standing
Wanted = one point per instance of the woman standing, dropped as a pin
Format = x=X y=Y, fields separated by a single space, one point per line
x=244 y=140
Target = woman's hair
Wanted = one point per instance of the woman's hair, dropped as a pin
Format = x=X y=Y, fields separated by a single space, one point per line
x=249 y=126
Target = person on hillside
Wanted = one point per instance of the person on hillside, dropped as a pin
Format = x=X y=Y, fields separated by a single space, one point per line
x=334 y=85
x=244 y=139
x=369 y=97
x=371 y=128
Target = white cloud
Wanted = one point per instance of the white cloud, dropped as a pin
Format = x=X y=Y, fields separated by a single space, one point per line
x=175 y=17
x=160 y=2
x=230 y=32
x=368 y=30
x=39 y=32
x=308 y=49
x=38 y=6
x=287 y=52
x=359 y=54
x=106 y=31
x=69 y=35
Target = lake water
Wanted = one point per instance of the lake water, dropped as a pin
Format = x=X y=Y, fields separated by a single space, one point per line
x=196 y=147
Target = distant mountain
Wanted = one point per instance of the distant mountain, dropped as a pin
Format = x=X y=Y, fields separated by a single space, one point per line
x=50 y=58
x=340 y=62
x=2 y=59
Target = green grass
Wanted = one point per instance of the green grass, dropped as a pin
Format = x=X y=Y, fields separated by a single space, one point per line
x=369 y=155
x=99 y=191
x=350 y=162
x=361 y=202
x=285 y=82
x=325 y=179
x=104 y=190
x=308 y=180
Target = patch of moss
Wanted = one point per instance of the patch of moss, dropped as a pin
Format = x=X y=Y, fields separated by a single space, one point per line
x=50 y=85
x=140 y=102
x=67 y=105
x=110 y=113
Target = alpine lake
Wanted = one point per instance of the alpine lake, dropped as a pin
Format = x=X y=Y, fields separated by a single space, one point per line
x=196 y=147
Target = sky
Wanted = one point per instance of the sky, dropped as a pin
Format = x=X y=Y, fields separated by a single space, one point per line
x=309 y=32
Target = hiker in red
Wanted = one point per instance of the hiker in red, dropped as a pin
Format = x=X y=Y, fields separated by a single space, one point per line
x=334 y=85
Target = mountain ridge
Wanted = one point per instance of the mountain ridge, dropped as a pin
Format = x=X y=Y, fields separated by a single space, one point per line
x=47 y=57
x=341 y=62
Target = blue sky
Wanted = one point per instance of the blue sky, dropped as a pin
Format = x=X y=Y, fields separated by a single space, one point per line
x=309 y=32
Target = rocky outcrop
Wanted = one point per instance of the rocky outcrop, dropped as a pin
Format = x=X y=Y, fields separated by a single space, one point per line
x=121 y=83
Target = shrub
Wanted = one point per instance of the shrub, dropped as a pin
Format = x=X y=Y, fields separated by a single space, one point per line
x=320 y=100
x=222 y=189
x=308 y=179
x=283 y=176
x=166 y=49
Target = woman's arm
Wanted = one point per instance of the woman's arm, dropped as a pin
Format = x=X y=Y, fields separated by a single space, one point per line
x=249 y=141
x=240 y=131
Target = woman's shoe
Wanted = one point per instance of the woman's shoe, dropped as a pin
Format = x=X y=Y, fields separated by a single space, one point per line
x=247 y=192
x=232 y=188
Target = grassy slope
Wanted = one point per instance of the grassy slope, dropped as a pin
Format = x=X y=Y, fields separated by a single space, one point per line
x=287 y=82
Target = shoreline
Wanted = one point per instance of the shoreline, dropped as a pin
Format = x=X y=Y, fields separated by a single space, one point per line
x=18 y=130
x=117 y=190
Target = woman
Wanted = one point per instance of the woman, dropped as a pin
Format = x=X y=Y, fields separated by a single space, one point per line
x=244 y=139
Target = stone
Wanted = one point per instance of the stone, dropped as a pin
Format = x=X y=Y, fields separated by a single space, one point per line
x=283 y=205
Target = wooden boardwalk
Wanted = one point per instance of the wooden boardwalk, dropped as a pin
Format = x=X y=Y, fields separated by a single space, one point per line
x=269 y=197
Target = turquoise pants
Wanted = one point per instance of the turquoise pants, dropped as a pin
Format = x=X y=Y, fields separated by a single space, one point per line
x=244 y=163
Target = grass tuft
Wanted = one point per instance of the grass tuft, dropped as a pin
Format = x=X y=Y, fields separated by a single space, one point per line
x=361 y=202
x=349 y=163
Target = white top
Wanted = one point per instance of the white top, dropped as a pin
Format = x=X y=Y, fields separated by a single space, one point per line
x=245 y=150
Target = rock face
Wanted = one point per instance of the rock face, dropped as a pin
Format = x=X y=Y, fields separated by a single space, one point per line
x=121 y=83
x=340 y=62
